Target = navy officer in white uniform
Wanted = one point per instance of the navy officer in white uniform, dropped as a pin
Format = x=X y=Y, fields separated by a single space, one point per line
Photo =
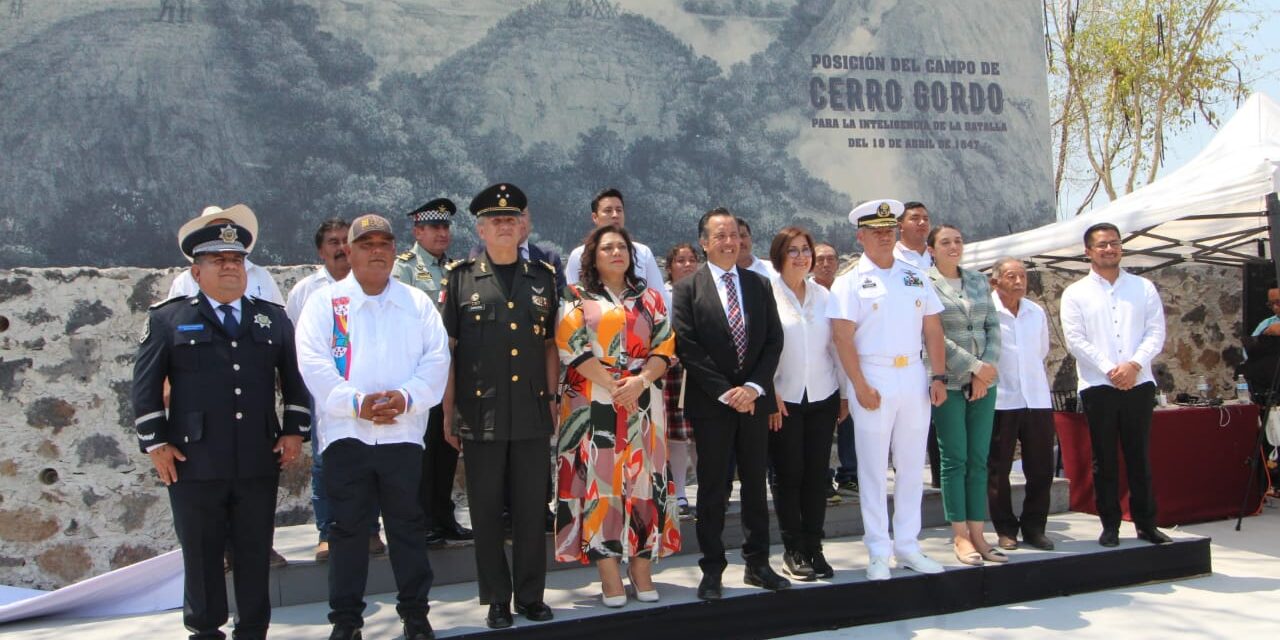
x=881 y=311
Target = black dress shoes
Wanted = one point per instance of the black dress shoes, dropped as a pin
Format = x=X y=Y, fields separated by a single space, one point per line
x=345 y=632
x=455 y=531
x=763 y=576
x=709 y=588
x=1039 y=541
x=798 y=566
x=1154 y=536
x=821 y=568
x=436 y=539
x=1109 y=538
x=418 y=629
x=535 y=611
x=499 y=616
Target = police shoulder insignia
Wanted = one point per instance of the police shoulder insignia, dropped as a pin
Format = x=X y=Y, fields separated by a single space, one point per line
x=146 y=330
x=194 y=300
x=406 y=256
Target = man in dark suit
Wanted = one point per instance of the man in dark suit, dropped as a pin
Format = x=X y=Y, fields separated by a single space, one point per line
x=729 y=338
x=220 y=446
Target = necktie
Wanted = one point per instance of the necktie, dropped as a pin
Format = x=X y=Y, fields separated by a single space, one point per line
x=736 y=326
x=229 y=320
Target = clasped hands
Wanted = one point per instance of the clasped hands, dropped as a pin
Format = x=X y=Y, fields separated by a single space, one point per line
x=382 y=407
x=1124 y=375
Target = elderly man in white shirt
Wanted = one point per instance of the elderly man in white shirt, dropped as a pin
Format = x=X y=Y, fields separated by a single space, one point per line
x=260 y=283
x=1113 y=323
x=607 y=208
x=1024 y=411
x=374 y=354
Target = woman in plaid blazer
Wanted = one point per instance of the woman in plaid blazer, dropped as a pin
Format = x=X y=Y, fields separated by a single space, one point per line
x=972 y=330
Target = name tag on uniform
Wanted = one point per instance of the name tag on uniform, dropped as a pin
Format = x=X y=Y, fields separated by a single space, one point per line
x=190 y=327
x=475 y=308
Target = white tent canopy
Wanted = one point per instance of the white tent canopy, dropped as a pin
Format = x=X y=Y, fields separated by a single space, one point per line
x=1212 y=210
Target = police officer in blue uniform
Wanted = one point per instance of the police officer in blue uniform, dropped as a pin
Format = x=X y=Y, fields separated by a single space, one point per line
x=500 y=312
x=220 y=446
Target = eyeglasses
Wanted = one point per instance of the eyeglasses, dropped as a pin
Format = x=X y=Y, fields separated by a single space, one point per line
x=1108 y=245
x=796 y=252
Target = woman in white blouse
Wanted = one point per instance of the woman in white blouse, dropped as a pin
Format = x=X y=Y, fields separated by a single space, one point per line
x=805 y=385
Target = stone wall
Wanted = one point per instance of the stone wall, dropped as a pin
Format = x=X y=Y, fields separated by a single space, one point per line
x=77 y=498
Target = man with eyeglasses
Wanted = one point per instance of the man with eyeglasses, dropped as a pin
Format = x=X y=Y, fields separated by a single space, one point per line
x=1113 y=323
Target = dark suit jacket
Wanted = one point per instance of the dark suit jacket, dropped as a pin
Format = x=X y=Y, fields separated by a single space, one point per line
x=705 y=346
x=222 y=403
x=536 y=253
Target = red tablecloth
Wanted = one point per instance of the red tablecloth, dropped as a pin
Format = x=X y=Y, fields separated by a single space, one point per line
x=1199 y=462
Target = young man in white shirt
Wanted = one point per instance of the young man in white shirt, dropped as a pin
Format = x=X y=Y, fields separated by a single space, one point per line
x=607 y=208
x=1024 y=411
x=1113 y=323
x=914 y=226
x=748 y=260
x=374 y=354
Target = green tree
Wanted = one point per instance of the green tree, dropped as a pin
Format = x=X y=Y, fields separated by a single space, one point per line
x=1125 y=75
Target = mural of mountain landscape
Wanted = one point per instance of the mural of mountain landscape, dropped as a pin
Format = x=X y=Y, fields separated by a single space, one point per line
x=125 y=118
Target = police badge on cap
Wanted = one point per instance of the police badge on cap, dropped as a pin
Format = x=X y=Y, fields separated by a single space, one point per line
x=217 y=238
x=438 y=211
x=876 y=214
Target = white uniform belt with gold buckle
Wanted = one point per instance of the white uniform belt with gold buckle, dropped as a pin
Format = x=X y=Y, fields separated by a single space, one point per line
x=897 y=362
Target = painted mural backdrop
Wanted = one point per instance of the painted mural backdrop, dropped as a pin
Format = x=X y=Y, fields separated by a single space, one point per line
x=120 y=119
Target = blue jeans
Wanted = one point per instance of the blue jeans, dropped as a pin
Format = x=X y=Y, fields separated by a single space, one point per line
x=848 y=455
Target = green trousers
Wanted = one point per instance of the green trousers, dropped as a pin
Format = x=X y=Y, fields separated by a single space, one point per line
x=964 y=439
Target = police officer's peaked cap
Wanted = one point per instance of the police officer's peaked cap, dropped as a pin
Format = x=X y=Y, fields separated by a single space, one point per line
x=502 y=199
x=237 y=214
x=438 y=211
x=876 y=214
x=216 y=239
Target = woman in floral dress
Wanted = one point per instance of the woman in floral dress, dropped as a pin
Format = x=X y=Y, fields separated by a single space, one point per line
x=615 y=498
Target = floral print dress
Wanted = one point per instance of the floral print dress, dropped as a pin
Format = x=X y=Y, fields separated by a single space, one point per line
x=614 y=494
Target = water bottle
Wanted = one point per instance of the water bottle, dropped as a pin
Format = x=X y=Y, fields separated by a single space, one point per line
x=1242 y=389
x=1202 y=387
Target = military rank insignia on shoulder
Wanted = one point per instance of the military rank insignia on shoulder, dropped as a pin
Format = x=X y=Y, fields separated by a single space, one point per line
x=457 y=263
x=548 y=265
x=406 y=256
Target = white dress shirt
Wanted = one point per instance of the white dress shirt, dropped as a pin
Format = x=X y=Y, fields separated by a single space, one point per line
x=397 y=342
x=303 y=289
x=1021 y=381
x=1107 y=324
x=646 y=268
x=260 y=284
x=921 y=261
x=761 y=267
x=717 y=276
x=809 y=364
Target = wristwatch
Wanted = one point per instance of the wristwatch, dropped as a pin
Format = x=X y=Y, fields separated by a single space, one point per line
x=939 y=377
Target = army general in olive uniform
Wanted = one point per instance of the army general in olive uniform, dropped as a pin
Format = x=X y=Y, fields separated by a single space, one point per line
x=423 y=267
x=220 y=446
x=500 y=313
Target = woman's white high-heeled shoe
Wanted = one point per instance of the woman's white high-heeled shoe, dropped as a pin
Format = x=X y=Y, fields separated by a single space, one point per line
x=614 y=602
x=643 y=596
